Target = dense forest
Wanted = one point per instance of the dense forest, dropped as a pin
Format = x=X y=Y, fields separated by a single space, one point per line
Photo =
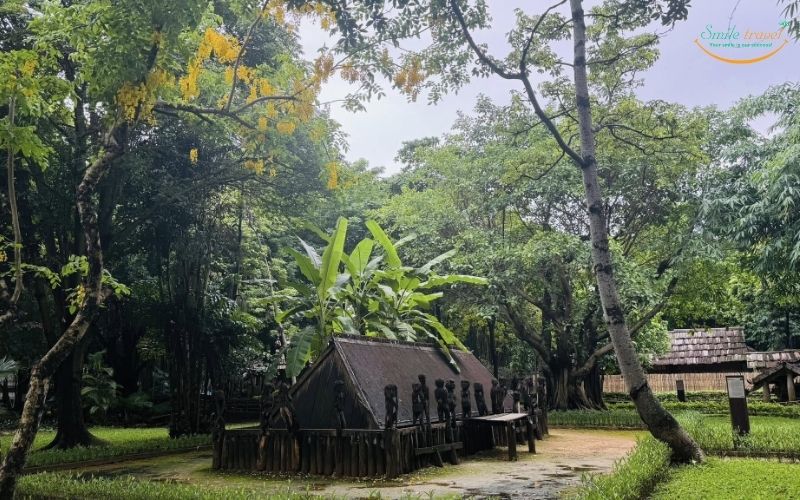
x=178 y=215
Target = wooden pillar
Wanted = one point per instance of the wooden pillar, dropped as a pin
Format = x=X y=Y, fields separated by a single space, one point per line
x=792 y=395
x=765 y=394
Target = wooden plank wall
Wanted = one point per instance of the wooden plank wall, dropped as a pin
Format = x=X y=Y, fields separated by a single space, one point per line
x=665 y=382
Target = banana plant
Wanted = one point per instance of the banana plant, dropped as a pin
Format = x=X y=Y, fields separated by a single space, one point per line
x=317 y=297
x=366 y=292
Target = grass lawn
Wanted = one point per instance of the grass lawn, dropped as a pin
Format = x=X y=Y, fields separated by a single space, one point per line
x=117 y=441
x=732 y=479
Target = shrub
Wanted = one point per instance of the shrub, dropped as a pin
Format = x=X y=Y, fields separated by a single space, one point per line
x=607 y=419
x=634 y=477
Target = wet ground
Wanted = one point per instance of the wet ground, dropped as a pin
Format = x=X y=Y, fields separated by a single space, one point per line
x=559 y=464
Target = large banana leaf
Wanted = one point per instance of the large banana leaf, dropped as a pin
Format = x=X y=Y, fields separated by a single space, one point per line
x=306 y=266
x=436 y=260
x=359 y=257
x=392 y=258
x=299 y=350
x=312 y=253
x=434 y=281
x=331 y=258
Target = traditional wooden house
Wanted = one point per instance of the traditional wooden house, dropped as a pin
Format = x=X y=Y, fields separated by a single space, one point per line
x=371 y=407
x=710 y=350
x=701 y=357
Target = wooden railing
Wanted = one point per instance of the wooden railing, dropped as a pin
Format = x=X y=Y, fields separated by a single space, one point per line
x=345 y=453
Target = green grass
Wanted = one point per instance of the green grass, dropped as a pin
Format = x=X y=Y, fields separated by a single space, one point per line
x=634 y=477
x=62 y=485
x=117 y=442
x=767 y=434
x=731 y=479
x=758 y=408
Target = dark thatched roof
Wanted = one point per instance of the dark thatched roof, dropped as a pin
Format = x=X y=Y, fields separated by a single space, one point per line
x=710 y=349
x=760 y=361
x=776 y=374
x=366 y=366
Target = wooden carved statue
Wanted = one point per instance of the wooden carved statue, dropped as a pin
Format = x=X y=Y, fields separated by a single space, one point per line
x=466 y=406
x=267 y=403
x=218 y=430
x=497 y=395
x=338 y=404
x=416 y=405
x=390 y=395
x=440 y=393
x=480 y=399
x=451 y=401
x=287 y=411
x=426 y=397
x=527 y=392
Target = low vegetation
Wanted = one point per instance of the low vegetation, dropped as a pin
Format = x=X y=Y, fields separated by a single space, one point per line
x=635 y=476
x=116 y=442
x=45 y=485
x=727 y=478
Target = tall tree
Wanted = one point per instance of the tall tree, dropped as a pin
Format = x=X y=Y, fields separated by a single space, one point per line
x=608 y=47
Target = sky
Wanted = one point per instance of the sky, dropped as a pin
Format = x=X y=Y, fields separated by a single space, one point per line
x=683 y=74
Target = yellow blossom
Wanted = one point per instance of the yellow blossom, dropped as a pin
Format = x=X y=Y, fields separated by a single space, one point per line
x=262 y=123
x=333 y=174
x=193 y=156
x=285 y=127
x=256 y=166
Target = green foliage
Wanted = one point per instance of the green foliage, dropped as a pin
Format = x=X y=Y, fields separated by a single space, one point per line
x=357 y=293
x=634 y=477
x=726 y=479
x=99 y=390
x=605 y=419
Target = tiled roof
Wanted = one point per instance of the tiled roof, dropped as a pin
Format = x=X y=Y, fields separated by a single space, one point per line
x=704 y=346
x=760 y=360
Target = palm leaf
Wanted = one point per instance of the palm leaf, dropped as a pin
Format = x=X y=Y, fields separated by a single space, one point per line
x=332 y=257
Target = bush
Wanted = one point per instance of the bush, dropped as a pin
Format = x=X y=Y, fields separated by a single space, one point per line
x=758 y=408
x=606 y=419
x=634 y=477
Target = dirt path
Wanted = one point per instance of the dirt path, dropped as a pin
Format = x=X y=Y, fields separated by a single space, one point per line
x=559 y=464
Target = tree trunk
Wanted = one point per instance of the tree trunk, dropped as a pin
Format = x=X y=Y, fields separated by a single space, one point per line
x=94 y=295
x=71 y=429
x=659 y=421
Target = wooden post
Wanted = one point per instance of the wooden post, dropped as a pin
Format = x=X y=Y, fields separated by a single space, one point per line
x=765 y=394
x=529 y=435
x=792 y=395
x=679 y=387
x=737 y=401
x=511 y=437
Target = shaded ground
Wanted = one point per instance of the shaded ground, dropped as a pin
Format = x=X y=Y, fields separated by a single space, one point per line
x=559 y=464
